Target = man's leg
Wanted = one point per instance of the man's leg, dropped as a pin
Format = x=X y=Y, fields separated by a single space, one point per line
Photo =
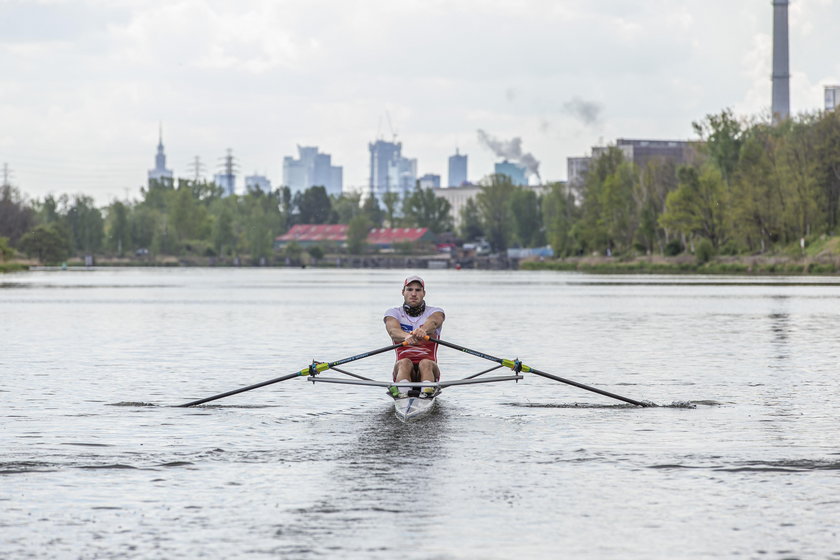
x=403 y=369
x=429 y=371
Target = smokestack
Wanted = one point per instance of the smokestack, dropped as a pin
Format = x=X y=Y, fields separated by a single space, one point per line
x=781 y=63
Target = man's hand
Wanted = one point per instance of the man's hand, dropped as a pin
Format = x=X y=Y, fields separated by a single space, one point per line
x=416 y=336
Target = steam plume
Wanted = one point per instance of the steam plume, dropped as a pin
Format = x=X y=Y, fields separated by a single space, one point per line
x=511 y=150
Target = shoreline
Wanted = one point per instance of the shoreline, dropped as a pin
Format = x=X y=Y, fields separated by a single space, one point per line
x=777 y=265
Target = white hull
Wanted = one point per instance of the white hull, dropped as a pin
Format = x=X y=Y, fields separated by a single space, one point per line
x=413 y=408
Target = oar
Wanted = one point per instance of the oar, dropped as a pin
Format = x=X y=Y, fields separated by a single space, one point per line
x=519 y=366
x=313 y=369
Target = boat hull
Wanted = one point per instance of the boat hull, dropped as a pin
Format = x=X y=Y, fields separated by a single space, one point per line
x=409 y=409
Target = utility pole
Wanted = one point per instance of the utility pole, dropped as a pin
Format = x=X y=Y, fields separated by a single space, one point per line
x=197 y=168
x=7 y=174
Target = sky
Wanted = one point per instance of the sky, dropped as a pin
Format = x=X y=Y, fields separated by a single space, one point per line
x=85 y=85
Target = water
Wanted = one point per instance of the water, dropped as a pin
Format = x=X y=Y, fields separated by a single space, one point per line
x=741 y=458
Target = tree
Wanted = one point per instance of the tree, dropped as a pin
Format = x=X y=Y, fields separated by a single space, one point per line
x=557 y=217
x=698 y=205
x=494 y=204
x=357 y=233
x=527 y=218
x=372 y=211
x=46 y=243
x=722 y=135
x=313 y=206
x=391 y=201
x=471 y=227
x=16 y=217
x=6 y=251
x=87 y=228
x=422 y=208
x=346 y=207
x=117 y=228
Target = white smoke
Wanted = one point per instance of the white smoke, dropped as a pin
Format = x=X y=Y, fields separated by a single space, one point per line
x=511 y=150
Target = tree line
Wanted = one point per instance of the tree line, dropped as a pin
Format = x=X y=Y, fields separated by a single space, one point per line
x=751 y=187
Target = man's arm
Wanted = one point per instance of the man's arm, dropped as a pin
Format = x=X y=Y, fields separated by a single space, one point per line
x=428 y=328
x=395 y=330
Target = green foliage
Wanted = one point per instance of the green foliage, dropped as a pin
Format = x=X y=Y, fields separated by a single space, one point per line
x=698 y=206
x=372 y=211
x=16 y=216
x=494 y=205
x=557 y=215
x=704 y=251
x=422 y=208
x=471 y=225
x=673 y=248
x=316 y=252
x=47 y=243
x=527 y=218
x=391 y=201
x=6 y=251
x=313 y=206
x=357 y=232
x=346 y=207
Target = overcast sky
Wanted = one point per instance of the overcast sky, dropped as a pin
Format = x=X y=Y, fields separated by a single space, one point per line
x=84 y=84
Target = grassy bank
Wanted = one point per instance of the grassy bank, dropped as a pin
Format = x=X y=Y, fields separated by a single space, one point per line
x=12 y=267
x=689 y=265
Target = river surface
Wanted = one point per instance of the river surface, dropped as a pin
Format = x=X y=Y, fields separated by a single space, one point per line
x=740 y=459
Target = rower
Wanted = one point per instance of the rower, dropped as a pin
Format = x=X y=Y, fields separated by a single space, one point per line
x=412 y=323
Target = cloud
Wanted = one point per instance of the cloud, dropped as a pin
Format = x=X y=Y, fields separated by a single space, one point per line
x=588 y=112
x=510 y=150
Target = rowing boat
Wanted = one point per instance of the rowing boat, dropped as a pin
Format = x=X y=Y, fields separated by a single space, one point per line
x=413 y=407
x=408 y=409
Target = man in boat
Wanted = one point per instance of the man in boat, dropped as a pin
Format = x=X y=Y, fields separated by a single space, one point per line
x=412 y=323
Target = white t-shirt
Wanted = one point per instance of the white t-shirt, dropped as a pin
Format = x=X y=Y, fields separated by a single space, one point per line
x=425 y=351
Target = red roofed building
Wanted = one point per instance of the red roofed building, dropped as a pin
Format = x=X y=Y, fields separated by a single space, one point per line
x=386 y=237
x=336 y=235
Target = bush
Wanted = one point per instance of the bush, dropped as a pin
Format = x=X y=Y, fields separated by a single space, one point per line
x=704 y=251
x=674 y=248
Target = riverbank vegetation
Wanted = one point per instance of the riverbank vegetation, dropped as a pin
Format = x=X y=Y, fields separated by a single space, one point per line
x=751 y=192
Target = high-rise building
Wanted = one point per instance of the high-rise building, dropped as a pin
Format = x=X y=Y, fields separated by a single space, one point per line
x=160 y=173
x=389 y=170
x=780 y=103
x=517 y=173
x=312 y=169
x=429 y=181
x=457 y=170
x=832 y=97
x=257 y=182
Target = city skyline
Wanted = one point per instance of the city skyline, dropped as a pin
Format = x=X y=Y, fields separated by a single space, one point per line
x=87 y=83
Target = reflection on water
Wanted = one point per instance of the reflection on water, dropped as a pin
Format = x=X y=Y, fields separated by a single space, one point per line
x=97 y=463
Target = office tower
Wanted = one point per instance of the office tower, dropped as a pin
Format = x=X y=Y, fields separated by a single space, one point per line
x=160 y=173
x=457 y=170
x=781 y=62
x=312 y=169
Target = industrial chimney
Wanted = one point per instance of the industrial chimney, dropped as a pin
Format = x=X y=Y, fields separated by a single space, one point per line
x=781 y=67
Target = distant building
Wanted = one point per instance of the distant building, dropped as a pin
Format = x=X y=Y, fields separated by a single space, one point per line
x=312 y=169
x=335 y=235
x=257 y=182
x=832 y=97
x=160 y=173
x=458 y=197
x=517 y=173
x=457 y=170
x=640 y=152
x=429 y=181
x=389 y=170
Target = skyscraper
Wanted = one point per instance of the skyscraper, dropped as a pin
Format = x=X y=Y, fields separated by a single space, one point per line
x=312 y=169
x=160 y=173
x=517 y=173
x=457 y=170
x=389 y=170
x=780 y=104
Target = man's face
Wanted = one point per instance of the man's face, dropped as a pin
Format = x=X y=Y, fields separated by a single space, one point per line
x=413 y=294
